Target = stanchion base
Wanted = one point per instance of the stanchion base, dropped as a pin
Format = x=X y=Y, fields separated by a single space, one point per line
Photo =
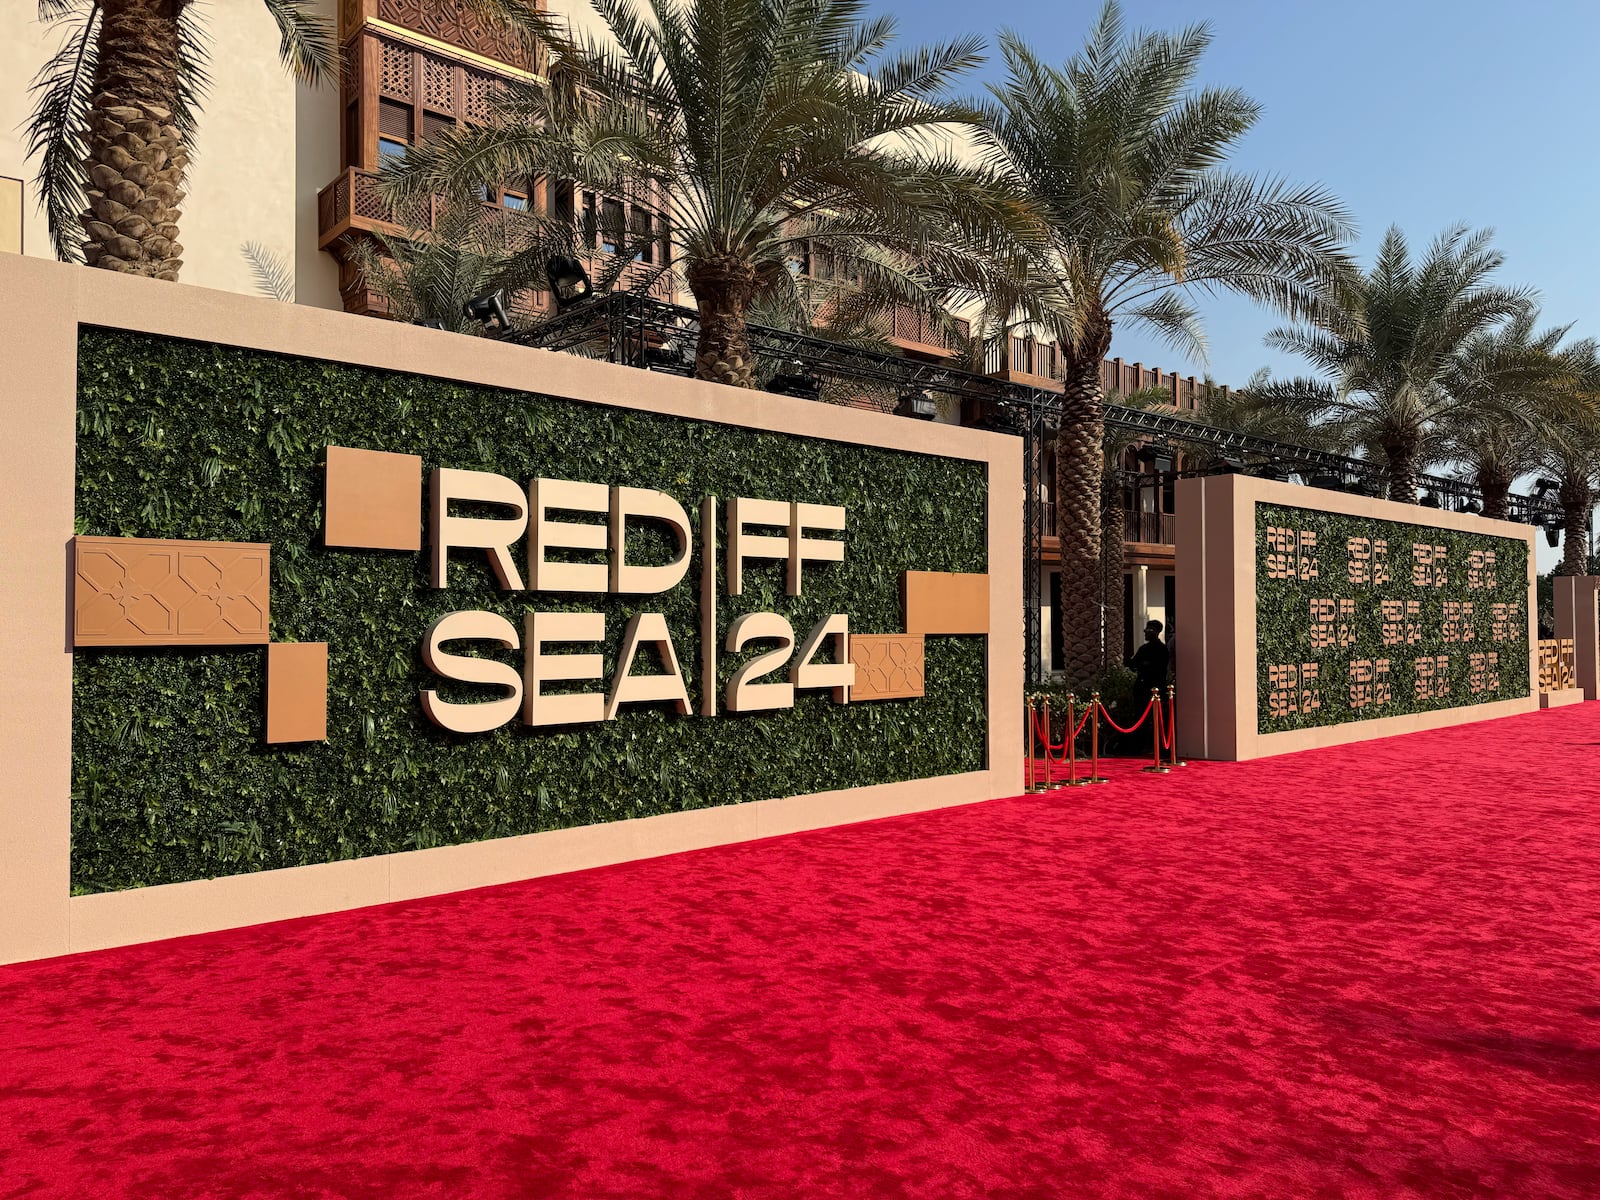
x=1156 y=770
x=1095 y=779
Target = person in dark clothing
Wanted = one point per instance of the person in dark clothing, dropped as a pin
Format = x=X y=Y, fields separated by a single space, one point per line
x=1149 y=665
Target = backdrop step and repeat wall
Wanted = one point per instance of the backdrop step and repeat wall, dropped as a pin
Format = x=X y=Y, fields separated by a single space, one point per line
x=1312 y=618
x=160 y=785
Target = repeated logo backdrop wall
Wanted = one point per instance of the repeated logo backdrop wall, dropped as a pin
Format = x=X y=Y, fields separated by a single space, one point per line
x=1360 y=618
x=174 y=776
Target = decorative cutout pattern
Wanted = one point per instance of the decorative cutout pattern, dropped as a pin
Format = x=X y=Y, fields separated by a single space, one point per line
x=396 y=78
x=478 y=89
x=154 y=592
x=449 y=22
x=889 y=666
x=438 y=92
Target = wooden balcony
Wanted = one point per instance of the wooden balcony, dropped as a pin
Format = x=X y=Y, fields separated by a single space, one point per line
x=914 y=332
x=352 y=205
x=351 y=202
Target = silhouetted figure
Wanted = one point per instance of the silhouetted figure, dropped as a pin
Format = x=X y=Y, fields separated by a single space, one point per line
x=1149 y=663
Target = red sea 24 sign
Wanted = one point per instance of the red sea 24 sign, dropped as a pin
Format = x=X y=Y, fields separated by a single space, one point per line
x=540 y=518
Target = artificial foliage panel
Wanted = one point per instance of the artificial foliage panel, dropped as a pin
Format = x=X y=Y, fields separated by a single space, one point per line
x=171 y=778
x=1358 y=618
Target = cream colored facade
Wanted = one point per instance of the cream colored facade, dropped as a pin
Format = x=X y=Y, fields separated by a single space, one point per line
x=265 y=146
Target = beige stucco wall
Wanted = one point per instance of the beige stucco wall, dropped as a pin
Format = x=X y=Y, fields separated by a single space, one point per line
x=262 y=152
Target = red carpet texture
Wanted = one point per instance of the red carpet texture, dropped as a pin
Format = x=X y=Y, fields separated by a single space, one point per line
x=1366 y=972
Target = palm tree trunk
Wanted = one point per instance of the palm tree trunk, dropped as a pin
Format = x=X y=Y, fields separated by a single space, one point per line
x=1577 y=507
x=1112 y=531
x=136 y=154
x=1080 y=467
x=1496 y=489
x=1403 y=472
x=723 y=287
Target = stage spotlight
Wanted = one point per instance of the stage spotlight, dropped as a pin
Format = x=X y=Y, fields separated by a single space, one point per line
x=569 y=282
x=796 y=380
x=1552 y=535
x=919 y=404
x=1429 y=500
x=429 y=323
x=490 y=310
x=1328 y=480
x=1473 y=507
x=1543 y=487
x=1272 y=471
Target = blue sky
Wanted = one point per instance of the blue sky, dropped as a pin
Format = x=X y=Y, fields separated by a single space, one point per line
x=1419 y=113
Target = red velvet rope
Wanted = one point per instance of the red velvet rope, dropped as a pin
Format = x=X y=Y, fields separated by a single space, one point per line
x=1166 y=726
x=1136 y=725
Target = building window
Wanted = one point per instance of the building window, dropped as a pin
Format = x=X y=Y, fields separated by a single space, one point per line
x=612 y=230
x=390 y=150
x=639 y=234
x=515 y=201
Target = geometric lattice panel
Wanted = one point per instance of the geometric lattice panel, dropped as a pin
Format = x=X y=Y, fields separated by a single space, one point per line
x=889 y=666
x=168 y=592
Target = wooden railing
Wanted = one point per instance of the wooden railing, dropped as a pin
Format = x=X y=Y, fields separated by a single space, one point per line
x=1150 y=527
x=907 y=324
x=353 y=202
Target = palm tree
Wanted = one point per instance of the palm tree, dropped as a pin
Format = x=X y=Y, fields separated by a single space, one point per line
x=1514 y=387
x=1572 y=455
x=117 y=107
x=768 y=128
x=1388 y=358
x=1123 y=161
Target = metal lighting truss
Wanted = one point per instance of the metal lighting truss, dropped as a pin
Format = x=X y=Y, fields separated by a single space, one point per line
x=636 y=330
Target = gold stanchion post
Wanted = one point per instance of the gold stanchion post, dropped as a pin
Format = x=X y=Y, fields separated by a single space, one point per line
x=1172 y=726
x=1156 y=767
x=1044 y=784
x=1027 y=719
x=1071 y=737
x=1094 y=741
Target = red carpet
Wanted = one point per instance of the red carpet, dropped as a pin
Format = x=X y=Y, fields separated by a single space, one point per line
x=1367 y=973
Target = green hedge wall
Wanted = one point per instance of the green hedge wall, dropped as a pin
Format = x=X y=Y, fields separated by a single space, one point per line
x=1284 y=621
x=171 y=779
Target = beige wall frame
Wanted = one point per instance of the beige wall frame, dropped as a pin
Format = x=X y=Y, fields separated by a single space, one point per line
x=1577 y=600
x=1215 y=623
x=42 y=306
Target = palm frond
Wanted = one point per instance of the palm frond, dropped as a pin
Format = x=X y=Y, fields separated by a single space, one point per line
x=308 y=41
x=55 y=131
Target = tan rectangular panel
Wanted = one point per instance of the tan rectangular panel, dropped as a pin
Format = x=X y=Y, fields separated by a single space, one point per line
x=169 y=592
x=297 y=692
x=946 y=602
x=889 y=666
x=373 y=500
